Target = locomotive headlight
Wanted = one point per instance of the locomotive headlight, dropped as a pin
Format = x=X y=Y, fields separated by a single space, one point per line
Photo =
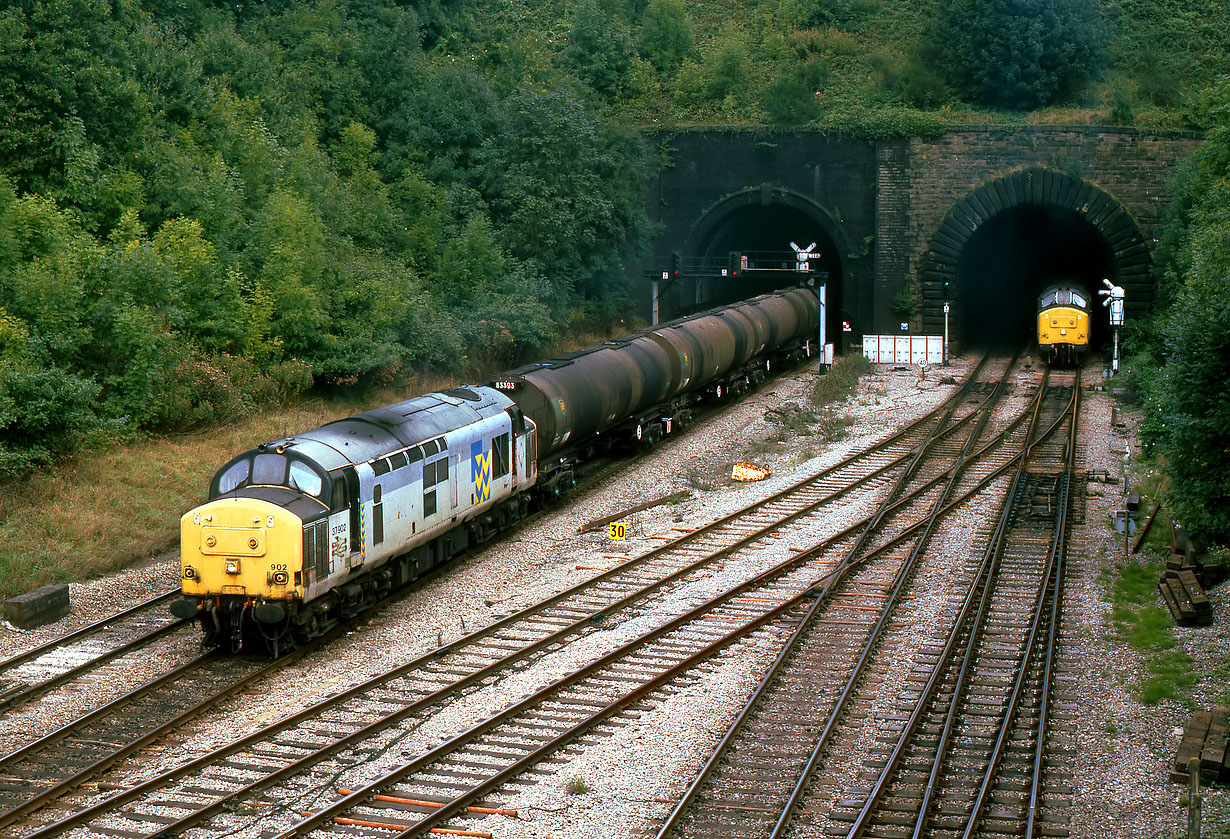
x=279 y=578
x=232 y=566
x=189 y=572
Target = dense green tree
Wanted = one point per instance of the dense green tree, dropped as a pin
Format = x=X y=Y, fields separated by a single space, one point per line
x=599 y=47
x=204 y=205
x=1187 y=404
x=666 y=34
x=66 y=99
x=1019 y=54
x=562 y=178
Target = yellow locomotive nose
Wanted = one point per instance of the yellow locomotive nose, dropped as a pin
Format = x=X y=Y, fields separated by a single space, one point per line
x=240 y=546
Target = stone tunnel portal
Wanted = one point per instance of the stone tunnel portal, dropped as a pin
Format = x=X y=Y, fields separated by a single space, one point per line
x=1006 y=240
x=1011 y=258
x=758 y=228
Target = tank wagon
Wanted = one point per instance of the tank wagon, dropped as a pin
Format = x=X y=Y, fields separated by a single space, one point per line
x=1063 y=324
x=302 y=531
x=640 y=388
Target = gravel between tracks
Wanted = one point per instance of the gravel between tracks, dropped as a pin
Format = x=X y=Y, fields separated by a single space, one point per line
x=1124 y=749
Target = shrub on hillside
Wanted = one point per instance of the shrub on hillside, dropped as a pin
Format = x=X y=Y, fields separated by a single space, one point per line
x=1187 y=409
x=666 y=34
x=1019 y=54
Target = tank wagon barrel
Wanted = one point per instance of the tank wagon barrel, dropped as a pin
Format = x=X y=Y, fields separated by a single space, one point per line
x=637 y=388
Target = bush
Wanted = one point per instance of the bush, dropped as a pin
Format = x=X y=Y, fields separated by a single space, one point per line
x=666 y=34
x=599 y=48
x=722 y=73
x=1187 y=416
x=917 y=82
x=792 y=98
x=1009 y=54
x=45 y=412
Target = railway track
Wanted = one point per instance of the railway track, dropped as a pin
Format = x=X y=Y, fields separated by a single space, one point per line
x=624 y=585
x=976 y=751
x=77 y=655
x=295 y=745
x=776 y=773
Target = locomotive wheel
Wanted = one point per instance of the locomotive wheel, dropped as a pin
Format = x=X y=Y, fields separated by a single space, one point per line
x=307 y=629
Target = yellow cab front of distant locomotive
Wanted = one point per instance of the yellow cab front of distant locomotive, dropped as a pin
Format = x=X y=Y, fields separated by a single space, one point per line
x=1063 y=325
x=241 y=546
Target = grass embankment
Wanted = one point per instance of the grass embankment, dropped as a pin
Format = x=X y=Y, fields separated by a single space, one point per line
x=822 y=418
x=1140 y=620
x=106 y=510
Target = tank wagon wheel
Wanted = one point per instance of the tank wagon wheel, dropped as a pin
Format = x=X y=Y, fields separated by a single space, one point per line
x=648 y=436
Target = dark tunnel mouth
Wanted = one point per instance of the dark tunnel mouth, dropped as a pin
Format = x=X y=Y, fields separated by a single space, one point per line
x=753 y=228
x=1009 y=237
x=1012 y=258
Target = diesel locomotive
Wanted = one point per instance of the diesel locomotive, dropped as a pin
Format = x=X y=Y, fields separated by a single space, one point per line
x=300 y=532
x=1063 y=324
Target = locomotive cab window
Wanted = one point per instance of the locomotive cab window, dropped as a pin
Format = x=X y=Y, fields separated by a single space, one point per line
x=233 y=477
x=305 y=479
x=269 y=469
x=1079 y=301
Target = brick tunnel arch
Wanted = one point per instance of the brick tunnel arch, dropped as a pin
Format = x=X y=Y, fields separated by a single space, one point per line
x=766 y=218
x=1043 y=226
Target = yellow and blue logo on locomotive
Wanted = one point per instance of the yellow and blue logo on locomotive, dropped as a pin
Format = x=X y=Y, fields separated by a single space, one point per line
x=480 y=471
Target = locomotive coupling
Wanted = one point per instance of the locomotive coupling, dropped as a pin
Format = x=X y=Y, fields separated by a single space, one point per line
x=184 y=609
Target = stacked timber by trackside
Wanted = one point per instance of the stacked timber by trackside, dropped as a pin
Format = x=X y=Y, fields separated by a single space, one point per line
x=1205 y=738
x=1188 y=573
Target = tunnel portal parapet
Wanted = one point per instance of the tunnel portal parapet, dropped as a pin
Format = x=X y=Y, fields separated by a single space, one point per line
x=895 y=217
